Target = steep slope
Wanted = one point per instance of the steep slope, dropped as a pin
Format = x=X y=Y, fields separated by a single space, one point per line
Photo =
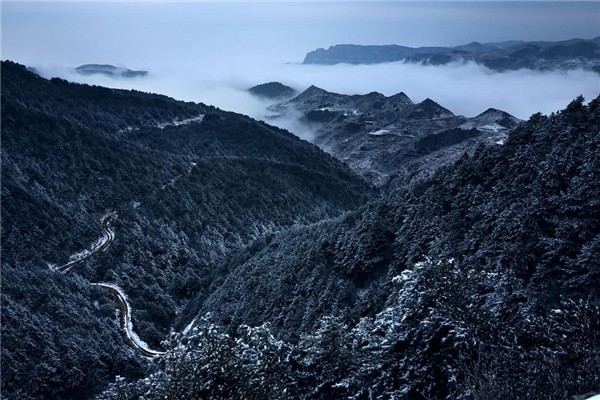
x=567 y=54
x=189 y=182
x=391 y=141
x=479 y=283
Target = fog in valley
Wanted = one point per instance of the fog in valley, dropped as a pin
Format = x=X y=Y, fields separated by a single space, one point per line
x=212 y=53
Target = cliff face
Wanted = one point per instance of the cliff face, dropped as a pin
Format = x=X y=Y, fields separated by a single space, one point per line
x=569 y=54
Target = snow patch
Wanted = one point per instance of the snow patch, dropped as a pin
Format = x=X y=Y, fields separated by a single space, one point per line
x=491 y=128
x=404 y=276
x=380 y=132
x=189 y=327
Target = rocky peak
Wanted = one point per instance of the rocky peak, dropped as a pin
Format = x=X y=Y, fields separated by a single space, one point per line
x=430 y=109
x=401 y=98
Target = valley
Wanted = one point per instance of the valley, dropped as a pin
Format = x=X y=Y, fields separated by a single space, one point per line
x=124 y=307
x=287 y=200
x=407 y=252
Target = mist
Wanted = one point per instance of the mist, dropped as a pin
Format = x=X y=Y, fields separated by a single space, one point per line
x=466 y=89
x=212 y=53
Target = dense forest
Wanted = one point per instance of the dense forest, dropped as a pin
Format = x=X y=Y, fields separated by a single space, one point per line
x=266 y=269
x=185 y=196
x=477 y=284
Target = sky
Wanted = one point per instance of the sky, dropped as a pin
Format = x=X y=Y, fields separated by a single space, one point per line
x=212 y=52
x=282 y=1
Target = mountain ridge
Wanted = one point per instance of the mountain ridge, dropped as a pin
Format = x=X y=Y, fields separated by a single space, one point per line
x=109 y=70
x=502 y=56
x=390 y=140
x=272 y=91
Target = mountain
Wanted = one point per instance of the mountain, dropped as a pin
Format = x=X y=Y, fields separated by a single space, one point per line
x=391 y=141
x=272 y=91
x=152 y=195
x=153 y=248
x=504 y=56
x=493 y=120
x=109 y=70
x=479 y=283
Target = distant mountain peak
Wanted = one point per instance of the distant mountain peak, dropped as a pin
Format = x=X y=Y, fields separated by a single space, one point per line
x=109 y=70
x=310 y=92
x=430 y=109
x=272 y=90
x=492 y=117
x=430 y=104
x=401 y=97
x=312 y=89
x=491 y=110
x=501 y=56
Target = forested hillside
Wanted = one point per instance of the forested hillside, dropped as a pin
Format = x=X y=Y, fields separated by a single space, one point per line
x=266 y=269
x=480 y=283
x=189 y=183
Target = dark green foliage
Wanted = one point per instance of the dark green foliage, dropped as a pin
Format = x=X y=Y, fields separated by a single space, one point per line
x=480 y=283
x=92 y=107
x=319 y=116
x=431 y=143
x=186 y=196
x=214 y=365
x=444 y=333
x=60 y=337
x=522 y=222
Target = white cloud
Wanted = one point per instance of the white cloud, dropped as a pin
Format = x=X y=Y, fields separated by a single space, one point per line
x=466 y=89
x=213 y=52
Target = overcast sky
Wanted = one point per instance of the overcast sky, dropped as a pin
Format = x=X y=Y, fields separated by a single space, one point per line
x=277 y=1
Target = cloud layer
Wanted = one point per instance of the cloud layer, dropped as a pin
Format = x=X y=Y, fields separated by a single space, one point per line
x=466 y=89
x=213 y=52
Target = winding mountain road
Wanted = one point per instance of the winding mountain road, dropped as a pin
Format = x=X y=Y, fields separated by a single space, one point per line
x=103 y=243
x=126 y=321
